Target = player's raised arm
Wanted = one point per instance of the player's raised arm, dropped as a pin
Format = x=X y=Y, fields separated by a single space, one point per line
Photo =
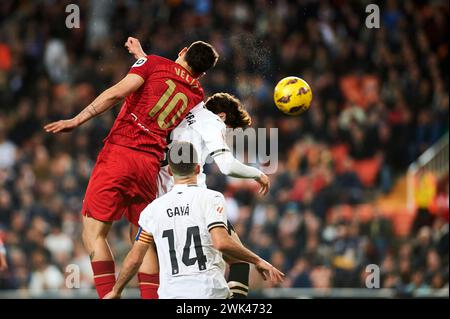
x=230 y=166
x=102 y=103
x=231 y=111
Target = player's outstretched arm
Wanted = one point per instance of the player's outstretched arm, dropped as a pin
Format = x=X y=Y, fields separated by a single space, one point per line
x=134 y=47
x=102 y=103
x=130 y=267
x=230 y=166
x=223 y=242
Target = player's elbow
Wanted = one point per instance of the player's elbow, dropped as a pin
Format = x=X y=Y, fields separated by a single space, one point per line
x=217 y=245
x=221 y=244
x=224 y=162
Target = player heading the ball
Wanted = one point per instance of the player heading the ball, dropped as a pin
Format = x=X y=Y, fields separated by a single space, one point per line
x=158 y=94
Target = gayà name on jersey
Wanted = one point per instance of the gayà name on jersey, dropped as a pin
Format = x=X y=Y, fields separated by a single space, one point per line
x=178 y=211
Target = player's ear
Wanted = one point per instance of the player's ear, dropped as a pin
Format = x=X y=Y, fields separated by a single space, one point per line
x=222 y=115
x=170 y=171
x=197 y=169
x=182 y=52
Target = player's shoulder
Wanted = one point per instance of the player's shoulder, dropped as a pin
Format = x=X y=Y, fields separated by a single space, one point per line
x=209 y=195
x=206 y=120
x=152 y=60
x=159 y=59
x=148 y=61
x=154 y=210
x=156 y=203
x=206 y=114
x=199 y=115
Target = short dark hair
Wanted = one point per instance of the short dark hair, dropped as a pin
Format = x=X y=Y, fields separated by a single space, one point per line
x=237 y=116
x=201 y=56
x=183 y=158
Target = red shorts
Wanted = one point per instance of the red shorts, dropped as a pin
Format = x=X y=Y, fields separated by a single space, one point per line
x=124 y=181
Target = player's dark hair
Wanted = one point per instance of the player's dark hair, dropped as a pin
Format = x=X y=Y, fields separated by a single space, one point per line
x=237 y=116
x=183 y=159
x=201 y=56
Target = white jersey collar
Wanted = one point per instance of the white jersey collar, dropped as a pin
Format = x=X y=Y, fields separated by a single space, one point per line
x=178 y=186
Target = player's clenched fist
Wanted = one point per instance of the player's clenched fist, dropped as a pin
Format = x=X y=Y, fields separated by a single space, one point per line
x=134 y=47
x=264 y=182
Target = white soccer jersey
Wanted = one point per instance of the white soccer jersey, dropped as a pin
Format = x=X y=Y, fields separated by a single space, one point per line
x=206 y=131
x=180 y=221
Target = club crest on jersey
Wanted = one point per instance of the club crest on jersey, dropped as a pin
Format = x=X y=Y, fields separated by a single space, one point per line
x=139 y=62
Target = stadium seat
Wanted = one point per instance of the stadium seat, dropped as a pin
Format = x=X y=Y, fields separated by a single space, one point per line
x=339 y=153
x=365 y=212
x=367 y=170
x=402 y=221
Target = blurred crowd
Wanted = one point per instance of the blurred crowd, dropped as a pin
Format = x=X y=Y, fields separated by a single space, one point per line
x=382 y=94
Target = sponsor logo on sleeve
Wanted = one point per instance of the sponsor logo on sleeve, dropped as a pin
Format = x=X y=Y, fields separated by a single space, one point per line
x=139 y=62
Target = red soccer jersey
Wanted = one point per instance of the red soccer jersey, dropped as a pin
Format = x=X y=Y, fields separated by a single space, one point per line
x=148 y=115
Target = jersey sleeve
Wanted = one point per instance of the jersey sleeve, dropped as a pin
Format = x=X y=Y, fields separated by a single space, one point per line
x=230 y=166
x=145 y=225
x=143 y=67
x=216 y=215
x=213 y=135
x=144 y=234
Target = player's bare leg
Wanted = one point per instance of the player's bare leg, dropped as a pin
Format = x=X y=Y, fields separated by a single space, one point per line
x=95 y=242
x=239 y=271
x=148 y=275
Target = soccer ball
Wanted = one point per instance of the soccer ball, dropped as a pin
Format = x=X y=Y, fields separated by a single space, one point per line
x=292 y=95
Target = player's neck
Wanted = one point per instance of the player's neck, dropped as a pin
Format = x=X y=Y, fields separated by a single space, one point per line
x=185 y=180
x=187 y=68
